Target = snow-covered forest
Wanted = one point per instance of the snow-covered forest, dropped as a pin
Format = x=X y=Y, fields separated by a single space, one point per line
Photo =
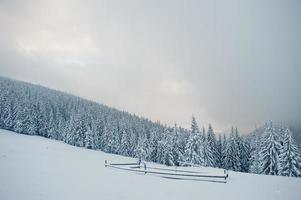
x=35 y=110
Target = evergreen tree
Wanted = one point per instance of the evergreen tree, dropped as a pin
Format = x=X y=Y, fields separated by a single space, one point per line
x=20 y=124
x=141 y=150
x=194 y=126
x=155 y=137
x=212 y=148
x=224 y=146
x=209 y=159
x=270 y=150
x=165 y=149
x=255 y=156
x=244 y=153
x=176 y=148
x=78 y=130
x=193 y=150
x=219 y=152
x=89 y=139
x=290 y=156
x=232 y=156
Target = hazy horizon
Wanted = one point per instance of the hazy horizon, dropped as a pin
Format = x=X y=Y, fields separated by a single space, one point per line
x=227 y=63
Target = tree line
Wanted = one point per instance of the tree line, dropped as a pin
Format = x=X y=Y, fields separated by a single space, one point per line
x=34 y=110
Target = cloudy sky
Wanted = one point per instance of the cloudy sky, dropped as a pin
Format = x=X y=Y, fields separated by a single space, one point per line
x=226 y=62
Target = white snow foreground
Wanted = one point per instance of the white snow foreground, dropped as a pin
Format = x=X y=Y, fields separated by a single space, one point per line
x=33 y=167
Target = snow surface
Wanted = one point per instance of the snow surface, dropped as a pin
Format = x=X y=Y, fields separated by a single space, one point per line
x=33 y=167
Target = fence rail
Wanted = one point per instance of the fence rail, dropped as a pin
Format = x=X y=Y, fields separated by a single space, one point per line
x=166 y=173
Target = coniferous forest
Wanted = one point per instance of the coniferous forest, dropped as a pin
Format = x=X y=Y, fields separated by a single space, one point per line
x=35 y=110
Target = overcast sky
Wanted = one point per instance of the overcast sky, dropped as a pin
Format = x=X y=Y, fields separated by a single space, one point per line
x=226 y=62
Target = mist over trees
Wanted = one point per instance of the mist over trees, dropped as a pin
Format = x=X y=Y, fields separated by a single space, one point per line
x=36 y=110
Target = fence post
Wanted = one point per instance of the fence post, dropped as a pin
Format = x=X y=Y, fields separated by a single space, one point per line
x=105 y=163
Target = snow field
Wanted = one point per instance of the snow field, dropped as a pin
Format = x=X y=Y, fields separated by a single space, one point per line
x=33 y=168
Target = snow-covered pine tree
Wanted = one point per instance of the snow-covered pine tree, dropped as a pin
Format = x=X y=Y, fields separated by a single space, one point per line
x=124 y=147
x=255 y=156
x=32 y=120
x=212 y=148
x=160 y=152
x=168 y=154
x=111 y=138
x=154 y=139
x=8 y=121
x=270 y=150
x=280 y=132
x=219 y=152
x=224 y=146
x=194 y=126
x=97 y=129
x=78 y=130
x=89 y=138
x=51 y=124
x=176 y=148
x=244 y=152
x=7 y=110
x=141 y=150
x=193 y=153
x=3 y=106
x=20 y=124
x=165 y=149
x=290 y=156
x=207 y=153
x=232 y=154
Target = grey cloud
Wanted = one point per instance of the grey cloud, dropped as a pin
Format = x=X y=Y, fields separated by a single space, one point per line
x=225 y=62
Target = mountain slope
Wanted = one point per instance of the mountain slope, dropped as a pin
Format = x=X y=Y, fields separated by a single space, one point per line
x=33 y=167
x=35 y=110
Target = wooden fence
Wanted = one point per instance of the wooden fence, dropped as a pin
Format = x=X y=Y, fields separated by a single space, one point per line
x=169 y=173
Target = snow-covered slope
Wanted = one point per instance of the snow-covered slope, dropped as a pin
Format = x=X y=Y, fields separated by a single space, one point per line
x=33 y=167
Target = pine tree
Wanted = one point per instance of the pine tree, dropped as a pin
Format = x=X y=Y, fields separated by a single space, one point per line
x=89 y=139
x=160 y=155
x=193 y=150
x=212 y=148
x=141 y=150
x=165 y=149
x=78 y=130
x=194 y=126
x=219 y=152
x=290 y=156
x=224 y=146
x=124 y=148
x=112 y=139
x=232 y=156
x=208 y=157
x=244 y=154
x=255 y=156
x=153 y=144
x=270 y=150
x=168 y=154
x=176 y=148
x=20 y=120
